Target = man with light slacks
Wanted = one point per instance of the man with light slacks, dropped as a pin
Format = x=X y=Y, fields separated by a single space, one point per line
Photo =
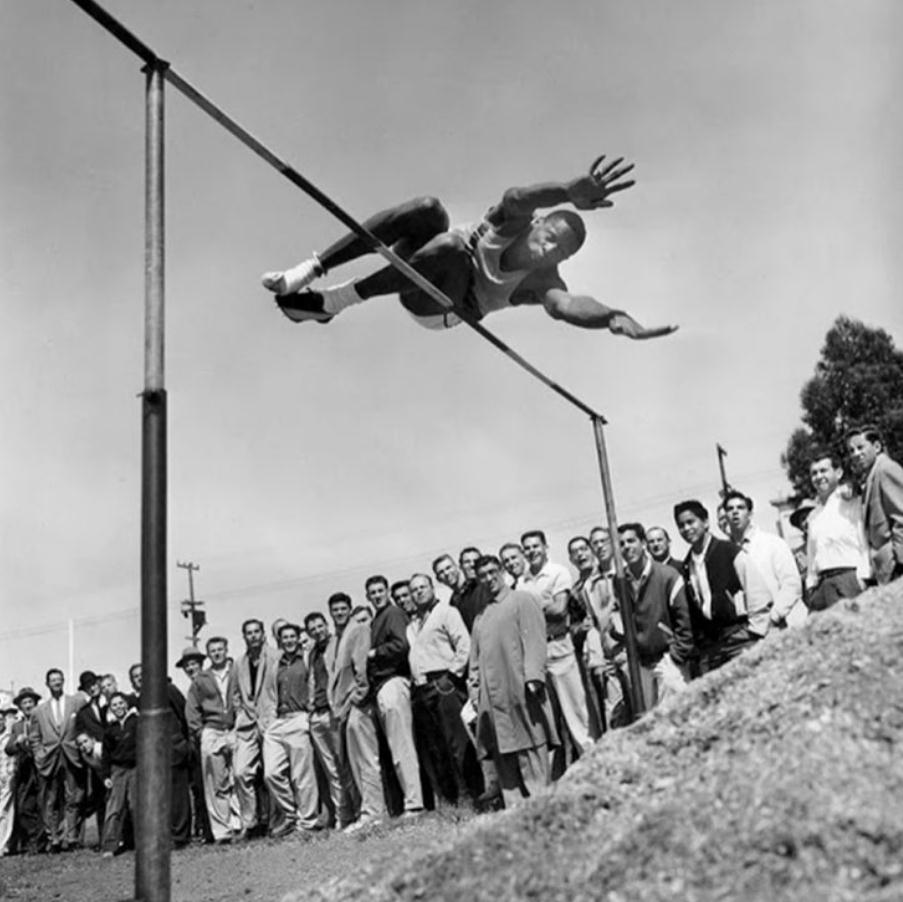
x=211 y=717
x=349 y=693
x=288 y=757
x=324 y=734
x=552 y=584
x=254 y=701
x=389 y=672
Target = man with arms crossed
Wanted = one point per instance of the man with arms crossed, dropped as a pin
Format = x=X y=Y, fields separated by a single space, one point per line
x=882 y=502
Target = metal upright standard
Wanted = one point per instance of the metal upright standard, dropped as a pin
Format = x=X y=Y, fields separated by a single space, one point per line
x=152 y=862
x=152 y=873
x=637 y=703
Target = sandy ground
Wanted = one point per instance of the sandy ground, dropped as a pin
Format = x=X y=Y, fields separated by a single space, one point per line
x=778 y=778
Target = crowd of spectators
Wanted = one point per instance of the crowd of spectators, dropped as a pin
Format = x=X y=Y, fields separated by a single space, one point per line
x=405 y=700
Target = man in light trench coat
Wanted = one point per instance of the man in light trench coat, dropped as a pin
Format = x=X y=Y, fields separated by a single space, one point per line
x=507 y=685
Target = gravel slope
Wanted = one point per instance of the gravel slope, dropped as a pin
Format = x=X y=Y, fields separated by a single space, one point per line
x=781 y=777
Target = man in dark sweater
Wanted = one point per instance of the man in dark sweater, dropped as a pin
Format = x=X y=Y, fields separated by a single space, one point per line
x=660 y=614
x=120 y=758
x=728 y=598
x=389 y=674
x=467 y=595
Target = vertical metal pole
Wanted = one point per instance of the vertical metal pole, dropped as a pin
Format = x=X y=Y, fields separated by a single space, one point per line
x=152 y=866
x=633 y=660
x=70 y=676
x=725 y=485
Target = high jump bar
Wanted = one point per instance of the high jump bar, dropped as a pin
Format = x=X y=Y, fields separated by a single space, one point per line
x=140 y=49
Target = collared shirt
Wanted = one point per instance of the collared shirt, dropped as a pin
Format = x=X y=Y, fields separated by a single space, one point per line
x=221 y=678
x=597 y=590
x=319 y=677
x=291 y=684
x=836 y=537
x=699 y=577
x=438 y=641
x=772 y=555
x=551 y=580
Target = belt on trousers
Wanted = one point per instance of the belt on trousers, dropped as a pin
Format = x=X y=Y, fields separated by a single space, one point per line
x=834 y=571
x=433 y=675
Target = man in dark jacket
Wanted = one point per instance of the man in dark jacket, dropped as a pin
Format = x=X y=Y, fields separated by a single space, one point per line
x=661 y=616
x=389 y=673
x=729 y=601
x=28 y=827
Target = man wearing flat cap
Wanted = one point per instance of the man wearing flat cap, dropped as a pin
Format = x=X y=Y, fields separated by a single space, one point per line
x=192 y=662
x=28 y=829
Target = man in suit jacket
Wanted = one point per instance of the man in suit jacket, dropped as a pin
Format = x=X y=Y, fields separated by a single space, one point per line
x=254 y=701
x=92 y=716
x=882 y=502
x=730 y=602
x=28 y=828
x=61 y=772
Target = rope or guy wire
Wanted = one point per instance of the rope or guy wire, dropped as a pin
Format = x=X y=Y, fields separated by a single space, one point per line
x=138 y=47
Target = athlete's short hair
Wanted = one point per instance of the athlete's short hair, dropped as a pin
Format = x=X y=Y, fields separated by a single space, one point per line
x=573 y=221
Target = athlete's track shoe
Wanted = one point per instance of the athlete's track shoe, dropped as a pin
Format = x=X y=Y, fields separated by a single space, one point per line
x=303 y=306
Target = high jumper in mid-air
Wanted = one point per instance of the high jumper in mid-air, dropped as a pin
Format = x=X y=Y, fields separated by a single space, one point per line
x=509 y=258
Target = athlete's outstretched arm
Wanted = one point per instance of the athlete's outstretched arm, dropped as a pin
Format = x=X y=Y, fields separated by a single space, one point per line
x=588 y=313
x=586 y=192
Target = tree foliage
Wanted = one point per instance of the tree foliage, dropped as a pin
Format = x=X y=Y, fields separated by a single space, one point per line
x=858 y=379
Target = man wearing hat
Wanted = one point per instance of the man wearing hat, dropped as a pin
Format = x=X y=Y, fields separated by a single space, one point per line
x=92 y=716
x=192 y=662
x=91 y=719
x=61 y=772
x=28 y=830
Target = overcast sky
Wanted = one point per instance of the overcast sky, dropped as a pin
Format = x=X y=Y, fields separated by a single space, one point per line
x=767 y=140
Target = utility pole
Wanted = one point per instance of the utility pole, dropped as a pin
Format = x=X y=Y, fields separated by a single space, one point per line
x=725 y=485
x=191 y=608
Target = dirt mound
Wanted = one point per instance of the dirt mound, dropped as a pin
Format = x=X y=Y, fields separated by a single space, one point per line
x=780 y=777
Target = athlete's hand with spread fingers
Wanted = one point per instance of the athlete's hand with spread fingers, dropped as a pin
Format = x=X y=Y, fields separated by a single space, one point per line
x=625 y=324
x=592 y=191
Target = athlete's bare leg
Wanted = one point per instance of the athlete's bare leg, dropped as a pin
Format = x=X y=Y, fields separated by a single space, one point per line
x=411 y=224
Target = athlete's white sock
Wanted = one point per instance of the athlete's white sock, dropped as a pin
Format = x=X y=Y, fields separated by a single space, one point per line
x=293 y=279
x=337 y=297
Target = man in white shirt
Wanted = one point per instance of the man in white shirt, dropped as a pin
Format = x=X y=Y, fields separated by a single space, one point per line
x=772 y=555
x=552 y=583
x=439 y=649
x=836 y=549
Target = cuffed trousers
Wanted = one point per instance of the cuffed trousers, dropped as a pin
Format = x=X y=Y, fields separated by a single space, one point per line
x=393 y=703
x=324 y=736
x=288 y=768
x=362 y=745
x=564 y=673
x=217 y=758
